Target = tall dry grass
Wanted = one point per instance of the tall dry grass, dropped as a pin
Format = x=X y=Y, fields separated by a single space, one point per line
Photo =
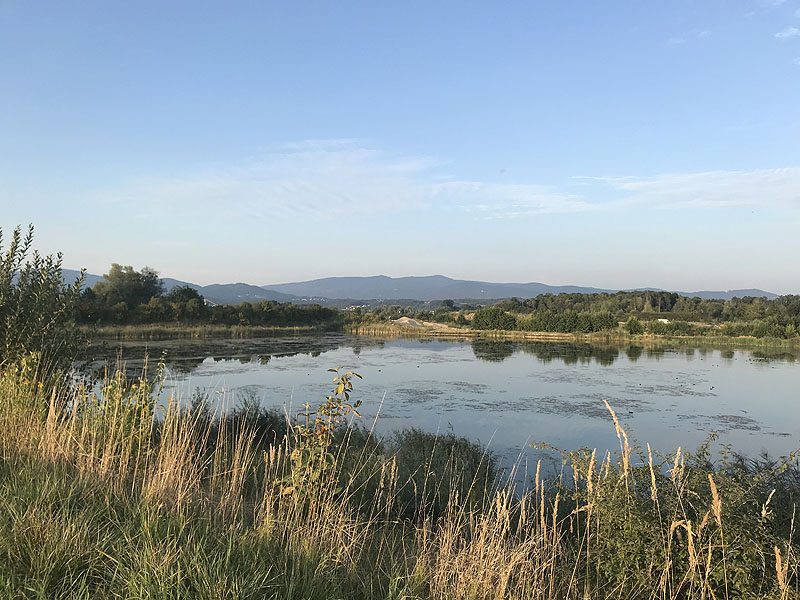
x=202 y=504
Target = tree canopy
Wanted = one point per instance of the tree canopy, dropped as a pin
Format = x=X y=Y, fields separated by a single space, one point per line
x=124 y=284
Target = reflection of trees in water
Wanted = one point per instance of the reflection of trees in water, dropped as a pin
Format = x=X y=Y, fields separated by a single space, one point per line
x=184 y=356
x=569 y=354
x=492 y=351
x=787 y=354
x=572 y=354
x=634 y=353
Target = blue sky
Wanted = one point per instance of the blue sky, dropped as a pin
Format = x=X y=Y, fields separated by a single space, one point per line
x=614 y=144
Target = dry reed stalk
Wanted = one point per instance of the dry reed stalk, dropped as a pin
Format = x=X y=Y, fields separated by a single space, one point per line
x=230 y=501
x=622 y=436
x=174 y=473
x=716 y=506
x=482 y=557
x=653 y=489
x=781 y=571
x=673 y=473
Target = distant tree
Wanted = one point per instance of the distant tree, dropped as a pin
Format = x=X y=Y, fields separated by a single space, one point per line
x=634 y=326
x=195 y=309
x=120 y=311
x=182 y=294
x=493 y=317
x=155 y=310
x=123 y=284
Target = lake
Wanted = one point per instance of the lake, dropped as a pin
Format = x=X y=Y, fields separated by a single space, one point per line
x=506 y=395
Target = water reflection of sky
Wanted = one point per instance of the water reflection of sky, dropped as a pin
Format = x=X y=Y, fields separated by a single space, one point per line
x=507 y=394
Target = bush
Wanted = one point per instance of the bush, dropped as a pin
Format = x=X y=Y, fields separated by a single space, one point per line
x=36 y=308
x=634 y=326
x=493 y=317
x=433 y=469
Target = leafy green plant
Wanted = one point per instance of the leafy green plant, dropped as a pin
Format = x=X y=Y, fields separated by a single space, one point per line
x=634 y=326
x=311 y=458
x=36 y=307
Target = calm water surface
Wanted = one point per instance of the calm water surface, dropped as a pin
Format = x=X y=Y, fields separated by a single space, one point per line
x=507 y=395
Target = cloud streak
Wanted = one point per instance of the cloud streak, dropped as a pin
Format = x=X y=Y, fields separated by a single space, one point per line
x=776 y=188
x=787 y=33
x=318 y=179
x=303 y=178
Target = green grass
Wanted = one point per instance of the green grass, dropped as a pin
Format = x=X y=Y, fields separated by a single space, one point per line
x=102 y=496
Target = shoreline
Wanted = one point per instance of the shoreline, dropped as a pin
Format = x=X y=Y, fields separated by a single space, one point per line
x=173 y=331
x=428 y=330
x=441 y=331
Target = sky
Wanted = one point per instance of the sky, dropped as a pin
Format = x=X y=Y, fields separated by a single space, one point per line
x=610 y=144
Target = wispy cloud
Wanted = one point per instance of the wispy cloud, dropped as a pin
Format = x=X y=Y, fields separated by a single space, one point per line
x=328 y=177
x=684 y=38
x=502 y=201
x=797 y=61
x=789 y=32
x=320 y=179
x=302 y=178
x=776 y=188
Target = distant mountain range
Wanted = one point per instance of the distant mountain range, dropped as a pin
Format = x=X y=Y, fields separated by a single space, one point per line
x=381 y=288
x=439 y=287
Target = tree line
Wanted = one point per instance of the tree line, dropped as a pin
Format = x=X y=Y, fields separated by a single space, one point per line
x=659 y=313
x=127 y=296
x=649 y=305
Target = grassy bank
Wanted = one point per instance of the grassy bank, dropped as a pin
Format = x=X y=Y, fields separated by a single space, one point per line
x=610 y=336
x=104 y=496
x=172 y=331
x=178 y=331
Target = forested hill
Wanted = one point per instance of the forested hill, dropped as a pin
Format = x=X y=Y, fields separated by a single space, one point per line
x=439 y=287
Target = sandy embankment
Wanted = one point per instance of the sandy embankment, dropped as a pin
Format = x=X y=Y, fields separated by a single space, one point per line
x=408 y=322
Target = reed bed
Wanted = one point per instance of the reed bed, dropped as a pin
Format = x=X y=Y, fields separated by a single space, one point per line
x=200 y=331
x=105 y=495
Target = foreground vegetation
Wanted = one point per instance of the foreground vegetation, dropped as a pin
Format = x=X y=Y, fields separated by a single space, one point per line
x=106 y=495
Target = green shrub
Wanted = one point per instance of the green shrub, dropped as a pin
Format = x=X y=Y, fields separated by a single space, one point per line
x=634 y=326
x=36 y=307
x=493 y=317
